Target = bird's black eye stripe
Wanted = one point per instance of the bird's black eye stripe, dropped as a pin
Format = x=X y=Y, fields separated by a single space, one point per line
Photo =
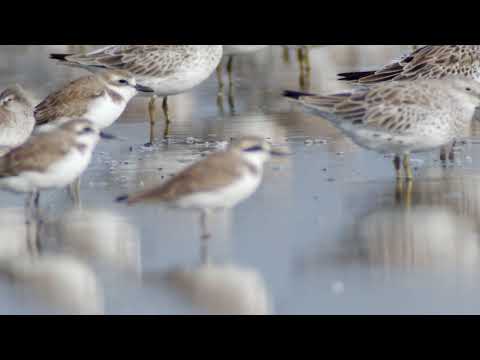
x=254 y=148
x=468 y=89
x=87 y=130
x=123 y=81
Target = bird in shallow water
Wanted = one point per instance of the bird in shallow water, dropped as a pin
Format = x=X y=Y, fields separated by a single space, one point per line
x=220 y=181
x=426 y=62
x=167 y=69
x=48 y=160
x=400 y=118
x=100 y=98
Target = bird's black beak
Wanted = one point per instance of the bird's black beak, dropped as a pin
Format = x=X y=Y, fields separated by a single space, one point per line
x=106 y=136
x=141 y=88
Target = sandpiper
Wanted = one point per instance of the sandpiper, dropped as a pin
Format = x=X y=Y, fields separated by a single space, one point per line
x=52 y=159
x=99 y=98
x=400 y=118
x=231 y=51
x=167 y=69
x=16 y=117
x=220 y=181
x=427 y=62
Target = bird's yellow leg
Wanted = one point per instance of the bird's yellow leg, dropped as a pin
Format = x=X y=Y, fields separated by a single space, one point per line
x=167 y=117
x=230 y=69
x=220 y=79
x=407 y=168
x=151 y=114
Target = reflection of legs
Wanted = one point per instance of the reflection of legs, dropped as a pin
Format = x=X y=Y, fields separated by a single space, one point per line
x=151 y=114
x=398 y=190
x=205 y=236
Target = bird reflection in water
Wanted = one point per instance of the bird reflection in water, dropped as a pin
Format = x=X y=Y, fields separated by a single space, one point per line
x=220 y=288
x=49 y=259
x=432 y=224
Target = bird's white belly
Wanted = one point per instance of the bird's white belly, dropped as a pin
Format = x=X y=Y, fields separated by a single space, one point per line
x=241 y=49
x=394 y=143
x=104 y=112
x=177 y=83
x=226 y=197
x=58 y=175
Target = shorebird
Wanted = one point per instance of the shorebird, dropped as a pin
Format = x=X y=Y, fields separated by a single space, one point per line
x=48 y=160
x=167 y=69
x=426 y=62
x=99 y=98
x=220 y=181
x=400 y=118
x=16 y=117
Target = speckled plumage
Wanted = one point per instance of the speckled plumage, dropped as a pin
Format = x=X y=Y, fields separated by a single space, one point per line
x=427 y=62
x=16 y=117
x=402 y=117
x=168 y=69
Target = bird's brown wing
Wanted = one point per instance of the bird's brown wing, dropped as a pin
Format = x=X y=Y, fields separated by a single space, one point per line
x=217 y=171
x=36 y=154
x=70 y=101
x=428 y=62
x=140 y=60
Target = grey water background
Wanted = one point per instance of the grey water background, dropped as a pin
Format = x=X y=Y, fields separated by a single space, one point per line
x=324 y=234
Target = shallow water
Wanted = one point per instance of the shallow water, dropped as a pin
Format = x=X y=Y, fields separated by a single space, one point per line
x=326 y=233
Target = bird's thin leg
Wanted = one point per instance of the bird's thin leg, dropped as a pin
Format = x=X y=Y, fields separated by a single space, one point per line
x=151 y=114
x=74 y=191
x=36 y=201
x=167 y=117
x=231 y=99
x=301 y=60
x=407 y=168
x=205 y=236
x=220 y=78
x=443 y=154
x=399 y=190
x=397 y=163
x=408 y=195
x=451 y=154
x=286 y=55
x=306 y=57
x=230 y=69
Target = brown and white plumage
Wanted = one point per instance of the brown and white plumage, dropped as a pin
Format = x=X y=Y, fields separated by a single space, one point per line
x=51 y=159
x=100 y=98
x=427 y=62
x=400 y=117
x=167 y=69
x=16 y=116
x=220 y=171
x=161 y=67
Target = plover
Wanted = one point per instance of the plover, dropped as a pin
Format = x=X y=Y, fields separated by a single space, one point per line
x=99 y=98
x=16 y=117
x=230 y=51
x=400 y=118
x=167 y=69
x=52 y=159
x=220 y=181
